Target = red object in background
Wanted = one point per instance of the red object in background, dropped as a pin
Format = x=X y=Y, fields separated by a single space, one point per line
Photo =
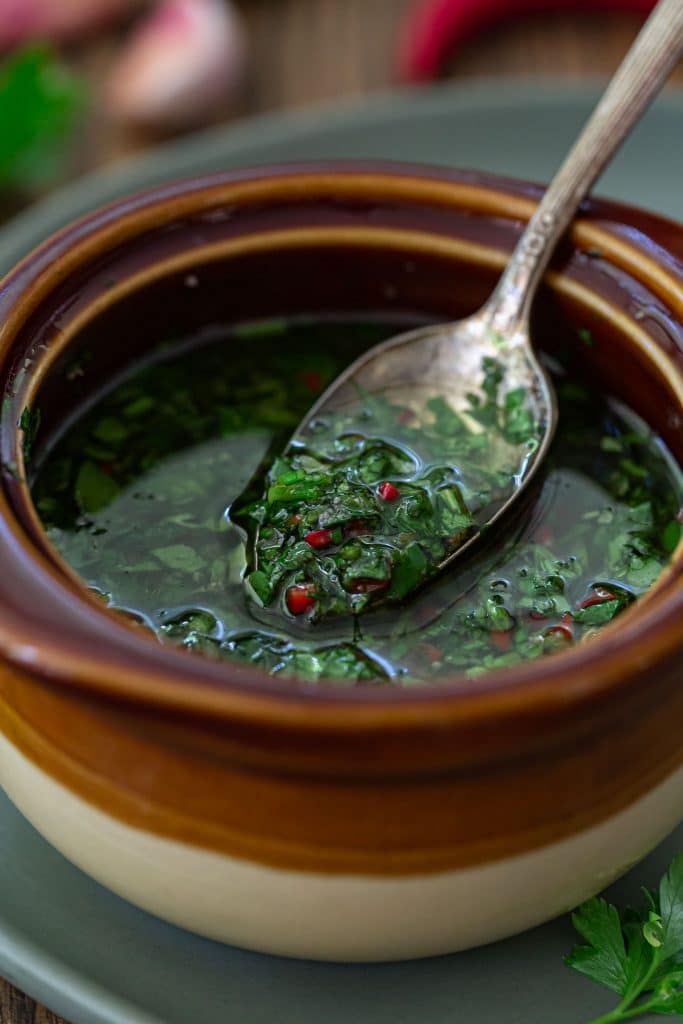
x=433 y=29
x=23 y=21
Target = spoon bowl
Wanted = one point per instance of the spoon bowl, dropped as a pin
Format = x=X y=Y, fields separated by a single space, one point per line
x=412 y=369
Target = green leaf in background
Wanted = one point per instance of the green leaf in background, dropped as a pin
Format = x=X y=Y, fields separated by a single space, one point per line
x=39 y=105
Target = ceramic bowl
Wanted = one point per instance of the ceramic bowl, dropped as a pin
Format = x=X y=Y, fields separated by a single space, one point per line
x=363 y=824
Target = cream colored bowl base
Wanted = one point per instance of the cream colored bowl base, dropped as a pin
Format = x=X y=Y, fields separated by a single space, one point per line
x=337 y=917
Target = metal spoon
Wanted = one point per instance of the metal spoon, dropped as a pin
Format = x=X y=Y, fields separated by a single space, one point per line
x=448 y=359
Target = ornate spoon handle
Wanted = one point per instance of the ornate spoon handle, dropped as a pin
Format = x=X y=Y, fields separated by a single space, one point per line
x=639 y=78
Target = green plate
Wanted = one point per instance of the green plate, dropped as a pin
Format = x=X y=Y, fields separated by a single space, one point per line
x=97 y=960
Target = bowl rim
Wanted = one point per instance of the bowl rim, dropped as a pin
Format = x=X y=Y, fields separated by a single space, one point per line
x=573 y=679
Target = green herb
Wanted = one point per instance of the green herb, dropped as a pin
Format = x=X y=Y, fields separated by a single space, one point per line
x=519 y=425
x=93 y=488
x=181 y=557
x=671 y=535
x=598 y=614
x=376 y=474
x=260 y=328
x=39 y=104
x=29 y=423
x=640 y=955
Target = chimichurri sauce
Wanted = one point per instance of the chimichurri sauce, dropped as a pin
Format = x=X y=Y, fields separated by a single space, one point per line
x=366 y=504
x=134 y=495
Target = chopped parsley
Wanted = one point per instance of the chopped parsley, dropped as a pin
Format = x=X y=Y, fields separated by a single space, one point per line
x=364 y=508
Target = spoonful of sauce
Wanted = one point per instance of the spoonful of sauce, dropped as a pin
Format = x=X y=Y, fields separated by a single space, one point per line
x=427 y=439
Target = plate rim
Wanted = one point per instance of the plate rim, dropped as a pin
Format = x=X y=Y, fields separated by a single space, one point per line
x=136 y=172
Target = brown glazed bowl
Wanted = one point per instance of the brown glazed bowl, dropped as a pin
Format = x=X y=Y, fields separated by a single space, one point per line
x=369 y=823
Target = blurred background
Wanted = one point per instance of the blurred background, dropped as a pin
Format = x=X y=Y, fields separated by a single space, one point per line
x=84 y=83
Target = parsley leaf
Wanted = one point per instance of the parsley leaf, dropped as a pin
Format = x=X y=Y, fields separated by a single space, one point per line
x=604 y=958
x=94 y=489
x=671 y=909
x=637 y=956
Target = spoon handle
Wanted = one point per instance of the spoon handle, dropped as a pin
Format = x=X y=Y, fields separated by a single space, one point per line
x=637 y=81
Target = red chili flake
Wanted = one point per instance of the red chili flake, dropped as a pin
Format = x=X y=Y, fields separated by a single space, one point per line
x=431 y=652
x=294 y=520
x=501 y=639
x=388 y=492
x=356 y=528
x=563 y=631
x=405 y=416
x=299 y=599
x=544 y=534
x=599 y=597
x=319 y=538
x=425 y=614
x=537 y=616
x=107 y=467
x=312 y=380
x=369 y=586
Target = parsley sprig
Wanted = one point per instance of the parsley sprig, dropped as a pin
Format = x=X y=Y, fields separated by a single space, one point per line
x=638 y=955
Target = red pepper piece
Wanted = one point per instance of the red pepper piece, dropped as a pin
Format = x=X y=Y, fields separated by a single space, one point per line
x=425 y=614
x=356 y=528
x=312 y=380
x=560 y=631
x=388 y=492
x=544 y=535
x=319 y=538
x=369 y=586
x=299 y=599
x=537 y=616
x=431 y=652
x=599 y=597
x=501 y=639
x=434 y=29
x=564 y=629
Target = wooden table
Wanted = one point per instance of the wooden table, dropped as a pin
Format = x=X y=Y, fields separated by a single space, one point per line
x=304 y=51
